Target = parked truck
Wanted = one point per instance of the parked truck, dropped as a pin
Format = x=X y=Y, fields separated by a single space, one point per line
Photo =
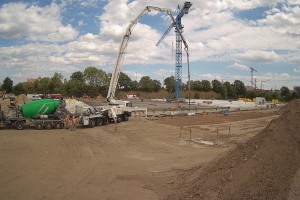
x=45 y=113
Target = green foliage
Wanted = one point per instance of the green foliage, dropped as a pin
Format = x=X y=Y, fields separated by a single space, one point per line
x=285 y=94
x=76 y=85
x=197 y=95
x=217 y=86
x=149 y=85
x=251 y=94
x=56 y=84
x=96 y=81
x=231 y=94
x=20 y=88
x=276 y=95
x=134 y=85
x=42 y=85
x=124 y=81
x=169 y=82
x=205 y=86
x=7 y=85
x=77 y=76
x=239 y=88
x=196 y=85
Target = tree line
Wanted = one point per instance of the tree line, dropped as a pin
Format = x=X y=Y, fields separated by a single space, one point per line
x=93 y=82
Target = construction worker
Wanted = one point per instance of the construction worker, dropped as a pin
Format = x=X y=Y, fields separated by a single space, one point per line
x=74 y=122
x=67 y=121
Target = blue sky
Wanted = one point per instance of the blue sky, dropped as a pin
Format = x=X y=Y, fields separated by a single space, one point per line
x=226 y=38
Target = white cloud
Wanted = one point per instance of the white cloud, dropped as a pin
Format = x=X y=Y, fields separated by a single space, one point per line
x=18 y=21
x=238 y=66
x=212 y=29
x=258 y=56
x=135 y=76
x=284 y=21
x=209 y=76
x=297 y=70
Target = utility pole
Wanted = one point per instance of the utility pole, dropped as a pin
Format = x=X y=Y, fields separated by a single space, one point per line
x=253 y=85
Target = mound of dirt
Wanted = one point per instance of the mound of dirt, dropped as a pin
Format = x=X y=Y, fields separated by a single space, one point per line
x=261 y=168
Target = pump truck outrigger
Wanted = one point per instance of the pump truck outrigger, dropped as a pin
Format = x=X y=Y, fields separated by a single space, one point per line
x=117 y=108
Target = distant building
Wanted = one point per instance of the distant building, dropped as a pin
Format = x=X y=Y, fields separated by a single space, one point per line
x=30 y=80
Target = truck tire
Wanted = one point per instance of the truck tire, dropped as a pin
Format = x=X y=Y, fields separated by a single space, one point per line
x=48 y=125
x=92 y=123
x=39 y=126
x=125 y=117
x=58 y=125
x=119 y=118
x=19 y=125
x=98 y=121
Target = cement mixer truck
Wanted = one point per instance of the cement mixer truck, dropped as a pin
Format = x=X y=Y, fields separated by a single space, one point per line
x=45 y=113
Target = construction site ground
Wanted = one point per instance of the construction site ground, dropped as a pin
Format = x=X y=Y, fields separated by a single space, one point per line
x=181 y=157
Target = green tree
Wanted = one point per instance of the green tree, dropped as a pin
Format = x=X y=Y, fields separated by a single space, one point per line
x=7 y=85
x=239 y=88
x=20 y=88
x=146 y=84
x=56 y=83
x=217 y=86
x=42 y=85
x=196 y=85
x=96 y=81
x=276 y=95
x=76 y=85
x=157 y=85
x=205 y=86
x=77 y=76
x=169 y=82
x=124 y=81
x=285 y=93
x=229 y=90
x=135 y=85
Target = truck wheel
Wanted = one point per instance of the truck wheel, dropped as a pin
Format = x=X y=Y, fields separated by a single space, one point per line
x=98 y=121
x=91 y=123
x=48 y=125
x=20 y=125
x=38 y=126
x=58 y=125
x=119 y=118
x=125 y=117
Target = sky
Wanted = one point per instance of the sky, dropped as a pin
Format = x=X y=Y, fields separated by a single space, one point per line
x=225 y=39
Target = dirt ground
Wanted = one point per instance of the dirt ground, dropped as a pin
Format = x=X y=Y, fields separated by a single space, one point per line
x=143 y=159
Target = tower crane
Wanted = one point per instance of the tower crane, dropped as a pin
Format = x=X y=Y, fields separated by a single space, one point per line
x=124 y=43
x=178 y=57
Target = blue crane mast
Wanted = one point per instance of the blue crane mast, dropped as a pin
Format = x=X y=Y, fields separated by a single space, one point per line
x=178 y=57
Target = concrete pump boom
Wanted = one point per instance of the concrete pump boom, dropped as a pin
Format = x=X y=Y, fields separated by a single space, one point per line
x=121 y=53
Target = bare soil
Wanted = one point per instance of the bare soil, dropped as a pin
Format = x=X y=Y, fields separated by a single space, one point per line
x=265 y=167
x=156 y=159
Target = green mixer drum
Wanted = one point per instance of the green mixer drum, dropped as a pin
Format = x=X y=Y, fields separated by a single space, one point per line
x=36 y=108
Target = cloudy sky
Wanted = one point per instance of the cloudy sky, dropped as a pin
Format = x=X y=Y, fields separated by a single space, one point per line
x=225 y=38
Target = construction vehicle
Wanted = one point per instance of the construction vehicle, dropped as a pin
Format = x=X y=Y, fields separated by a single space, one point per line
x=46 y=113
x=86 y=115
x=13 y=100
x=119 y=107
x=50 y=113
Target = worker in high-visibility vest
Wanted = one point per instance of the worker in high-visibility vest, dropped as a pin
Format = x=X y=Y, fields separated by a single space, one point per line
x=67 y=121
x=74 y=122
